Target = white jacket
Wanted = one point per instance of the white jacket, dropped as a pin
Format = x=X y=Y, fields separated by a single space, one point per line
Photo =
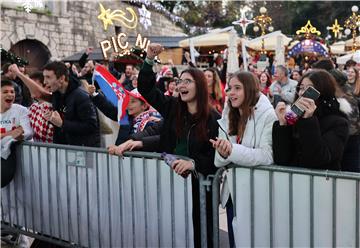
x=256 y=146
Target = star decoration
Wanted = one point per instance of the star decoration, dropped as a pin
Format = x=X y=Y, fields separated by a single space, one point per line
x=145 y=17
x=243 y=22
x=335 y=28
x=105 y=16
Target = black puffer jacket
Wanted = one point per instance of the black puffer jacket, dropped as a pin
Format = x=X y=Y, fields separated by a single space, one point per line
x=81 y=124
x=317 y=142
x=201 y=151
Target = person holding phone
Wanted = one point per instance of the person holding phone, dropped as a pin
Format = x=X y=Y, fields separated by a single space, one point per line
x=189 y=123
x=318 y=137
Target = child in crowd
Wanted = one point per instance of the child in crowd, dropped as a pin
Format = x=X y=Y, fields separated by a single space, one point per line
x=14 y=126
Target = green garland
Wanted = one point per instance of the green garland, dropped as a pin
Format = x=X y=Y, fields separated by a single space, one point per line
x=7 y=56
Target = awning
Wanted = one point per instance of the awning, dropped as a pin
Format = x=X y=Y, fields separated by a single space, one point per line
x=270 y=40
x=343 y=59
x=216 y=37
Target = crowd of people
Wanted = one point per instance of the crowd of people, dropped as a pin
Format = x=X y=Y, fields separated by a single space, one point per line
x=215 y=119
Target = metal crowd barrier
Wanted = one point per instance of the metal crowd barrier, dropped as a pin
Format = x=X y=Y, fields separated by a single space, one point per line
x=80 y=196
x=291 y=207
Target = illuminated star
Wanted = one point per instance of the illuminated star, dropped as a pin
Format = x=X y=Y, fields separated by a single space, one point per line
x=335 y=28
x=145 y=17
x=243 y=22
x=105 y=16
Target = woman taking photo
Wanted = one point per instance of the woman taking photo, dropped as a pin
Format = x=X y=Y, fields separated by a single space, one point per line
x=244 y=134
x=189 y=123
x=318 y=138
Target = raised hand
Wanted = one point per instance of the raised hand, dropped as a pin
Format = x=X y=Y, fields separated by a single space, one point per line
x=280 y=111
x=154 y=49
x=308 y=105
x=89 y=50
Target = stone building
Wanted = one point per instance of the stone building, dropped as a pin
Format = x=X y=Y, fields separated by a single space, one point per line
x=63 y=28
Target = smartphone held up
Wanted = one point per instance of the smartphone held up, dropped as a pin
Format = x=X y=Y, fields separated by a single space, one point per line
x=294 y=112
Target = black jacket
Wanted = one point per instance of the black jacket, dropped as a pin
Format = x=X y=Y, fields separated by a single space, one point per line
x=317 y=142
x=201 y=151
x=80 y=120
x=150 y=137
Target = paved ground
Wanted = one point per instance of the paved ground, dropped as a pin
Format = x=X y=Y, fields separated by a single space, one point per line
x=224 y=240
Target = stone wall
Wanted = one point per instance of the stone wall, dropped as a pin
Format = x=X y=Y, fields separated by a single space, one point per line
x=72 y=26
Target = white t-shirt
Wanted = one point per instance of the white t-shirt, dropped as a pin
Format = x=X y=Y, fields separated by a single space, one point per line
x=16 y=116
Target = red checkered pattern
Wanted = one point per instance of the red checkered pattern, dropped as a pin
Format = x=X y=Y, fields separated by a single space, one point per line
x=43 y=130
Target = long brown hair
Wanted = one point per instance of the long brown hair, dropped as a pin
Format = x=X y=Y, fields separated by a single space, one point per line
x=202 y=106
x=216 y=85
x=357 y=81
x=324 y=82
x=237 y=122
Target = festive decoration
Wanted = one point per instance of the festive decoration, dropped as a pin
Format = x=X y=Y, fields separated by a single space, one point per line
x=107 y=17
x=308 y=46
x=308 y=30
x=154 y=5
x=9 y=57
x=264 y=22
x=121 y=46
x=352 y=24
x=335 y=28
x=145 y=17
x=243 y=22
x=31 y=4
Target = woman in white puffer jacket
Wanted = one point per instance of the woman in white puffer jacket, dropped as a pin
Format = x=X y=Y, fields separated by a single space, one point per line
x=245 y=132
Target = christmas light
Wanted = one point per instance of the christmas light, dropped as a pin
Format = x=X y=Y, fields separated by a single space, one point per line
x=106 y=16
x=145 y=17
x=31 y=4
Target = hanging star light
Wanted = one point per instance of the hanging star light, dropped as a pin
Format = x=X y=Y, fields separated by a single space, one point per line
x=107 y=17
x=335 y=28
x=145 y=17
x=243 y=22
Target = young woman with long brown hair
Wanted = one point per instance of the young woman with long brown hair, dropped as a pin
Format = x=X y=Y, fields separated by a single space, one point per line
x=189 y=123
x=215 y=90
x=244 y=133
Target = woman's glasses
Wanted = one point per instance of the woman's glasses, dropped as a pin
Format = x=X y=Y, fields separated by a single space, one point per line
x=184 y=81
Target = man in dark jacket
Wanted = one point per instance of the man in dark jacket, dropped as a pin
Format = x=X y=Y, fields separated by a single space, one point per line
x=74 y=115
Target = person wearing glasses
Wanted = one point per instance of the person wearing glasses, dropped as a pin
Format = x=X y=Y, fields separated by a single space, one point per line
x=189 y=123
x=244 y=134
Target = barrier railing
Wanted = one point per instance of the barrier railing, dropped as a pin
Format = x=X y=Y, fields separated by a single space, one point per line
x=81 y=196
x=278 y=206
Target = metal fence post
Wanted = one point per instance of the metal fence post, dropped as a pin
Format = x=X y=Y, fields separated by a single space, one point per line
x=215 y=205
x=203 y=211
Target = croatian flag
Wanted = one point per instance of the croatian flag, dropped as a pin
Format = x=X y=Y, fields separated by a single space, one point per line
x=112 y=89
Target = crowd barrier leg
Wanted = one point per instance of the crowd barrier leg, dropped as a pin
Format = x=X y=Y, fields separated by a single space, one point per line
x=203 y=223
x=215 y=205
